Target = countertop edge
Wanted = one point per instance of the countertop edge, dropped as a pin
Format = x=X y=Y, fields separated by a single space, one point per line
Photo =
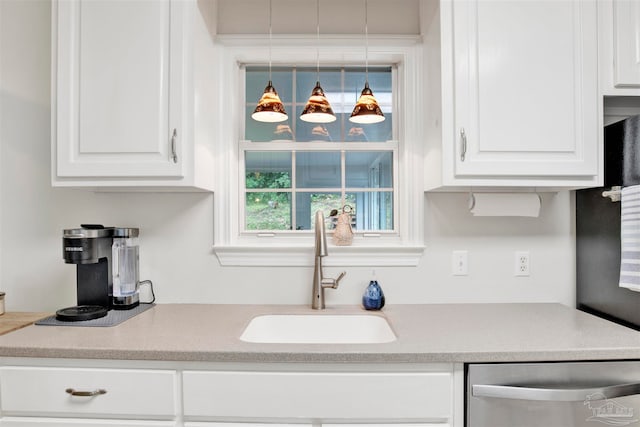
x=307 y=357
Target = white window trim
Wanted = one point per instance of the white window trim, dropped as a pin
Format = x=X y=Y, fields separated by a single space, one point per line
x=231 y=246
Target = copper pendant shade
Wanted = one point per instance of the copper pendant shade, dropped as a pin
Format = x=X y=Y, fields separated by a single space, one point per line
x=367 y=109
x=318 y=109
x=270 y=108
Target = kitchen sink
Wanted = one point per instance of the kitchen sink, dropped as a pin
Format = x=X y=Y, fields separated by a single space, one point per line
x=318 y=329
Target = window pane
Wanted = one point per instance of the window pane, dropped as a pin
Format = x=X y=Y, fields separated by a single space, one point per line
x=330 y=80
x=267 y=169
x=280 y=78
x=375 y=132
x=318 y=169
x=307 y=204
x=356 y=133
x=258 y=78
x=373 y=210
x=268 y=211
x=380 y=82
x=264 y=132
x=316 y=132
x=369 y=169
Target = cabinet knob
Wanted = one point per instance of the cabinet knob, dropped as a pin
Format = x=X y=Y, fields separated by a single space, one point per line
x=174 y=137
x=463 y=140
x=74 y=392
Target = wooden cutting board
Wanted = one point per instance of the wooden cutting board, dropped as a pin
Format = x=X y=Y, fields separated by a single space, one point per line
x=11 y=321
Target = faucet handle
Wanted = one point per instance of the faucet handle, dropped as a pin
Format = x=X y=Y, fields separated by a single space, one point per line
x=332 y=283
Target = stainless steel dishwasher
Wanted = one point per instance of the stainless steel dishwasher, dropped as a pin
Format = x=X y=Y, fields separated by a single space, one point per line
x=553 y=394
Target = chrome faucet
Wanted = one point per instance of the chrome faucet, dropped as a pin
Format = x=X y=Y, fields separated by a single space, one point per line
x=319 y=281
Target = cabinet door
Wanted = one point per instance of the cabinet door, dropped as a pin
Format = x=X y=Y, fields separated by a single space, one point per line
x=118 y=72
x=295 y=395
x=626 y=40
x=525 y=84
x=244 y=424
x=67 y=422
x=399 y=424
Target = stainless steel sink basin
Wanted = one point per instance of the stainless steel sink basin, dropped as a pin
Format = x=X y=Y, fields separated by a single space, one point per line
x=318 y=329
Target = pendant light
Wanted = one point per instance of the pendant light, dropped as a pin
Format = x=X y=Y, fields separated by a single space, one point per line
x=367 y=109
x=269 y=108
x=318 y=109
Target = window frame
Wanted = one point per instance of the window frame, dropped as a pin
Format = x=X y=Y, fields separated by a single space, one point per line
x=403 y=247
x=336 y=146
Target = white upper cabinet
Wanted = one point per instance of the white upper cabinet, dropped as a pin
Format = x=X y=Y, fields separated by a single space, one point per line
x=130 y=96
x=514 y=101
x=619 y=46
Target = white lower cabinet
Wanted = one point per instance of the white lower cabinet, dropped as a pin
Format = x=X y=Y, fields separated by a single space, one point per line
x=79 y=393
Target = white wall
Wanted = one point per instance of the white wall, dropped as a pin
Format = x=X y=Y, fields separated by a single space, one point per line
x=336 y=17
x=177 y=229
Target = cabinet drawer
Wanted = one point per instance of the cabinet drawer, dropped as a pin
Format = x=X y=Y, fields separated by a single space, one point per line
x=76 y=422
x=334 y=395
x=43 y=391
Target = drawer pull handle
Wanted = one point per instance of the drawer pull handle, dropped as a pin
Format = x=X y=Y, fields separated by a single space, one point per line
x=174 y=154
x=463 y=150
x=74 y=392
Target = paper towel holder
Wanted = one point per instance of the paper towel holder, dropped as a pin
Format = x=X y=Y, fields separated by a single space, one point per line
x=472 y=201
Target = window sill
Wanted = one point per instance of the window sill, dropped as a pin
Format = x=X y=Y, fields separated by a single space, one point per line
x=302 y=256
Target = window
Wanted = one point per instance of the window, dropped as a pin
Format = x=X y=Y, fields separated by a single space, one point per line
x=262 y=169
x=294 y=168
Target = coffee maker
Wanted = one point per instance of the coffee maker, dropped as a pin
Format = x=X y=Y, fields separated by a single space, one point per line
x=92 y=249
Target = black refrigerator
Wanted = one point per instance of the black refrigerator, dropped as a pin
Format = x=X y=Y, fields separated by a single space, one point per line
x=598 y=230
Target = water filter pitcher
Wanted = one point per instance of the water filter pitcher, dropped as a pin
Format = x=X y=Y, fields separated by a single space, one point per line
x=126 y=278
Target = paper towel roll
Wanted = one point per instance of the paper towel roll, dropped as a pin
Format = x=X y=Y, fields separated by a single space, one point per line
x=505 y=204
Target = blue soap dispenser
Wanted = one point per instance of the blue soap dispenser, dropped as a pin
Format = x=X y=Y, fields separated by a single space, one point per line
x=373 y=298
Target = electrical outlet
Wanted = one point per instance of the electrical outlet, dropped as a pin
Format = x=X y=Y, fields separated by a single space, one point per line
x=459 y=263
x=522 y=264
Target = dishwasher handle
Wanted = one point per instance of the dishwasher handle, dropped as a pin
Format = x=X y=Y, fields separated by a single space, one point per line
x=555 y=394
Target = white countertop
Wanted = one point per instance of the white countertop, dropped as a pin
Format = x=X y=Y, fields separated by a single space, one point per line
x=426 y=333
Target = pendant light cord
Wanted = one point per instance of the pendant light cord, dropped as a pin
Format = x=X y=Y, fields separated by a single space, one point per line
x=270 y=31
x=366 y=42
x=318 y=40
